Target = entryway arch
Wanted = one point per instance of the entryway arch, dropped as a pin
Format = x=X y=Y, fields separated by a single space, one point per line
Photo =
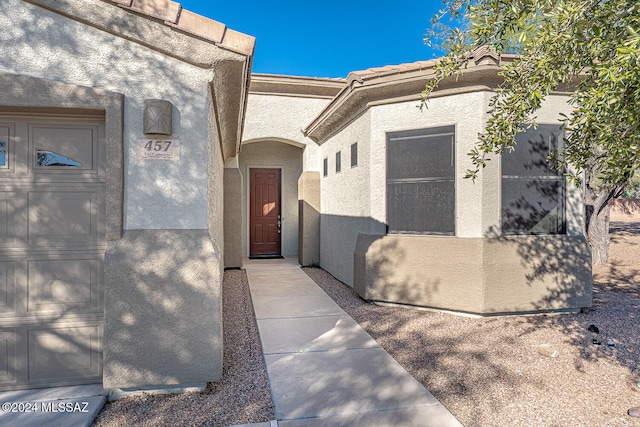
x=284 y=158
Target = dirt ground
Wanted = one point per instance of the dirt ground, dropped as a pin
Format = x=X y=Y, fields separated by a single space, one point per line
x=486 y=371
x=492 y=371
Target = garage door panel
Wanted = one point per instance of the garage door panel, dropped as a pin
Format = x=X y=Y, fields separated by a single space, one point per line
x=73 y=353
x=7 y=288
x=8 y=357
x=59 y=218
x=12 y=218
x=65 y=285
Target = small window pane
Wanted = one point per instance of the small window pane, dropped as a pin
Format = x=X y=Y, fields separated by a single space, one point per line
x=532 y=206
x=338 y=161
x=533 y=193
x=421 y=156
x=354 y=154
x=325 y=167
x=3 y=154
x=531 y=152
x=49 y=158
x=416 y=207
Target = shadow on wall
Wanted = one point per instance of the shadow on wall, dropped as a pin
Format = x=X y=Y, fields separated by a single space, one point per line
x=493 y=275
x=338 y=238
x=163 y=309
x=99 y=60
x=538 y=272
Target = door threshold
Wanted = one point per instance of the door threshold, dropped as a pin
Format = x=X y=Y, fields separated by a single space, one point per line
x=266 y=257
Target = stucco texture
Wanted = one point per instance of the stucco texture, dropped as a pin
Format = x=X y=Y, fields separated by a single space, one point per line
x=346 y=198
x=475 y=271
x=162 y=309
x=158 y=194
x=515 y=274
x=93 y=58
x=281 y=118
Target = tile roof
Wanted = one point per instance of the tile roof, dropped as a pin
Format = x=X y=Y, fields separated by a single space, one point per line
x=175 y=16
x=391 y=69
x=478 y=55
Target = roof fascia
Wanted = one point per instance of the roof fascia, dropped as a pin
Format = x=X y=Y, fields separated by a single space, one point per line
x=150 y=30
x=303 y=87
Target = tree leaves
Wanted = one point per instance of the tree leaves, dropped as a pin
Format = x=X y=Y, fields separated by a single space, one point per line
x=592 y=45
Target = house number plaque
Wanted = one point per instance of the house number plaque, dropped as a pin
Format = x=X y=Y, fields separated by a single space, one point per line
x=160 y=149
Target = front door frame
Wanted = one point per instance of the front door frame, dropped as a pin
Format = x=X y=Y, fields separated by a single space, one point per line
x=280 y=208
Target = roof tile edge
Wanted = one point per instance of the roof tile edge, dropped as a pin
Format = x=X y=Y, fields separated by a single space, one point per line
x=191 y=23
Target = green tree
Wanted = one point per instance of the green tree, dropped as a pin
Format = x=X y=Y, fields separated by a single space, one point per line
x=632 y=190
x=592 y=46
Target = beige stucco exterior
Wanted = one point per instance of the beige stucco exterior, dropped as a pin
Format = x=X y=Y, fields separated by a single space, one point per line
x=488 y=276
x=476 y=270
x=458 y=272
x=277 y=108
x=165 y=242
x=309 y=218
x=287 y=158
x=173 y=225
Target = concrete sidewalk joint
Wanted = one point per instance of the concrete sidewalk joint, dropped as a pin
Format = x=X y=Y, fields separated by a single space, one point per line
x=324 y=369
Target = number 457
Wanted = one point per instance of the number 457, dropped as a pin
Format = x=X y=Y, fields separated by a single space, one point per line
x=157 y=145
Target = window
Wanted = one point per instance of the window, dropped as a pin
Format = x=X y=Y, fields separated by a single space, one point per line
x=325 y=167
x=3 y=154
x=338 y=161
x=533 y=193
x=46 y=158
x=421 y=181
x=354 y=154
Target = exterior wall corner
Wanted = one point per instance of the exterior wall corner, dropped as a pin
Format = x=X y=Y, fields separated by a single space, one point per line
x=309 y=218
x=163 y=314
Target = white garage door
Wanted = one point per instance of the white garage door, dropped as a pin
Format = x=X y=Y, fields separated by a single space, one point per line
x=52 y=216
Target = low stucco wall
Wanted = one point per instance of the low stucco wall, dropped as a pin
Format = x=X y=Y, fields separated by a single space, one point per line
x=163 y=318
x=518 y=274
x=309 y=218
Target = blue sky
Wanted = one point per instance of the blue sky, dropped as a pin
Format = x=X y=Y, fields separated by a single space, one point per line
x=328 y=38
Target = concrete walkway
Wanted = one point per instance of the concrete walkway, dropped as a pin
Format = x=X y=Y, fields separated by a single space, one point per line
x=324 y=369
x=73 y=406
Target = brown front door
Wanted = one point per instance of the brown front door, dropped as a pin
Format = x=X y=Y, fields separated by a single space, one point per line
x=265 y=212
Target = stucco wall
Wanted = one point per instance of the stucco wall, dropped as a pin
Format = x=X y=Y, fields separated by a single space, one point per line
x=164 y=314
x=158 y=194
x=277 y=117
x=516 y=274
x=466 y=112
x=283 y=156
x=347 y=198
x=355 y=200
x=163 y=274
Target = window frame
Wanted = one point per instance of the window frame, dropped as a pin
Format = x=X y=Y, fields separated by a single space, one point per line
x=443 y=131
x=354 y=154
x=507 y=229
x=339 y=161
x=325 y=167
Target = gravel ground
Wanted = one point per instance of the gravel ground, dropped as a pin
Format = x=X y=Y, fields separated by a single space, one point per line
x=243 y=395
x=491 y=372
x=486 y=371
